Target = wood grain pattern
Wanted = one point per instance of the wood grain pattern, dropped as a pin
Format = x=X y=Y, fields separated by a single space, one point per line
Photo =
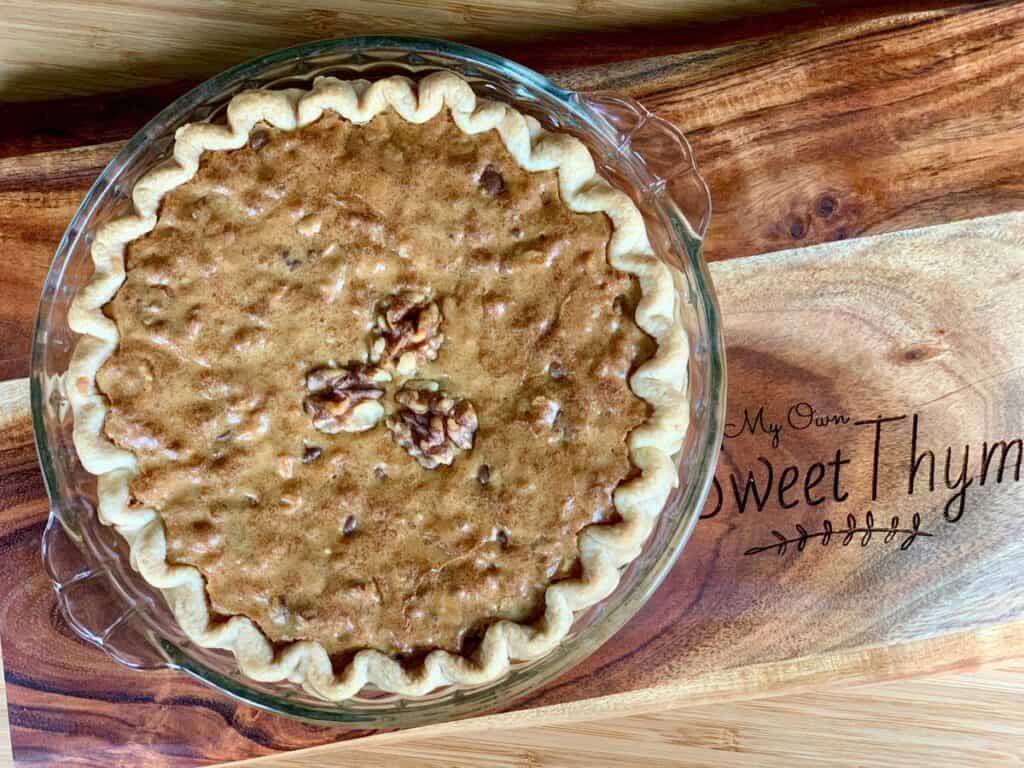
x=902 y=122
x=724 y=623
x=69 y=121
x=969 y=720
x=847 y=132
x=894 y=334
x=104 y=46
x=895 y=664
x=926 y=322
x=6 y=754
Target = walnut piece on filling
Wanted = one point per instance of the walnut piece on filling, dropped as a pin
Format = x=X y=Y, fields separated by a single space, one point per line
x=407 y=332
x=432 y=426
x=345 y=399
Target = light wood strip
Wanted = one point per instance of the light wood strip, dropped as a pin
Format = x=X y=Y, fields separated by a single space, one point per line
x=971 y=720
x=15 y=414
x=106 y=45
x=893 y=664
x=6 y=755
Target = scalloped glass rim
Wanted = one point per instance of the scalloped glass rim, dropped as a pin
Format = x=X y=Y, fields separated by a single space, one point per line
x=678 y=198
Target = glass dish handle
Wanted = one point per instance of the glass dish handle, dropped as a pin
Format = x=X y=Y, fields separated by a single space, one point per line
x=92 y=605
x=662 y=149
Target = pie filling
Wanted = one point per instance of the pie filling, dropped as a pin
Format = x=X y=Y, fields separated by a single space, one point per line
x=376 y=379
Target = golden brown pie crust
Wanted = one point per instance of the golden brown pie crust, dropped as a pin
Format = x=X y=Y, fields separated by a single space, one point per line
x=267 y=261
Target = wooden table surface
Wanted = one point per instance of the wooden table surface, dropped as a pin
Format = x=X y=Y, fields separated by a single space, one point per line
x=815 y=137
x=965 y=720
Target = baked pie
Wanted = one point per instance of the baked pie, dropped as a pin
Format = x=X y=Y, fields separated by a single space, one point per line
x=380 y=382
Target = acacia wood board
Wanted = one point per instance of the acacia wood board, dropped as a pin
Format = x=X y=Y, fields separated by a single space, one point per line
x=103 y=46
x=812 y=138
x=738 y=617
x=966 y=720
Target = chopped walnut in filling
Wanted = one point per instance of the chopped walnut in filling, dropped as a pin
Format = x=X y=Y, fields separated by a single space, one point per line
x=407 y=332
x=278 y=258
x=432 y=426
x=345 y=399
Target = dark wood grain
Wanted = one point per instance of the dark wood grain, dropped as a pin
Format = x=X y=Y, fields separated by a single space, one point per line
x=808 y=138
x=857 y=130
x=811 y=138
x=45 y=126
x=64 y=691
x=898 y=332
x=193 y=43
x=69 y=704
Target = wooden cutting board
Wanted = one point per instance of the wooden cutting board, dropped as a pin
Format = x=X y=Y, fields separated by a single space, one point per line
x=817 y=560
x=966 y=720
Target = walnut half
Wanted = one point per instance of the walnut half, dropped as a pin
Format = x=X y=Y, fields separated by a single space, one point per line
x=433 y=427
x=407 y=332
x=345 y=399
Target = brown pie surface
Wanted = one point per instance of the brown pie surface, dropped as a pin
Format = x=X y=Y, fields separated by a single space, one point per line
x=381 y=384
x=282 y=258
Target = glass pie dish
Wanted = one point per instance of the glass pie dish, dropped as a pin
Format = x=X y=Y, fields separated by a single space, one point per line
x=111 y=606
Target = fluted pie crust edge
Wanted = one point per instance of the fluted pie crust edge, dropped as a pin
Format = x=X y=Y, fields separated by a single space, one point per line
x=604 y=548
